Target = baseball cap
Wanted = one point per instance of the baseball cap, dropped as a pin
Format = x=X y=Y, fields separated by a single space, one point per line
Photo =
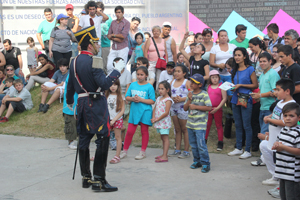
x=83 y=11
x=197 y=78
x=266 y=37
x=69 y=6
x=167 y=24
x=171 y=64
x=60 y=16
x=214 y=72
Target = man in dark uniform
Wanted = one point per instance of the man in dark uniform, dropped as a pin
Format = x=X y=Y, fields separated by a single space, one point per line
x=87 y=77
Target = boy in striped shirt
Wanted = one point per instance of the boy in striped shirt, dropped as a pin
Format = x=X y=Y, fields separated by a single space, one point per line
x=287 y=149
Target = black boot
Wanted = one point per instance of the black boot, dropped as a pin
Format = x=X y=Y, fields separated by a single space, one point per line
x=41 y=107
x=84 y=160
x=100 y=183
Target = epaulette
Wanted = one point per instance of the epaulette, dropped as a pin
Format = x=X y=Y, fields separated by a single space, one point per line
x=98 y=64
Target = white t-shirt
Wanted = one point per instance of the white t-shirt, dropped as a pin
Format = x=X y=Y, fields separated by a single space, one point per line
x=112 y=106
x=223 y=56
x=151 y=75
x=85 y=22
x=188 y=49
x=275 y=130
x=164 y=76
x=125 y=79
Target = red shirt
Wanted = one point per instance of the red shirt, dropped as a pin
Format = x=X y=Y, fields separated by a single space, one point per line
x=120 y=28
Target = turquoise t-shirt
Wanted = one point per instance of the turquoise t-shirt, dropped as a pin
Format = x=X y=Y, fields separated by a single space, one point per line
x=105 y=42
x=244 y=44
x=46 y=28
x=267 y=82
x=66 y=110
x=140 y=112
x=138 y=52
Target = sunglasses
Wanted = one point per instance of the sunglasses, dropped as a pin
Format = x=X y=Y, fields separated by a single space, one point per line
x=9 y=69
x=207 y=29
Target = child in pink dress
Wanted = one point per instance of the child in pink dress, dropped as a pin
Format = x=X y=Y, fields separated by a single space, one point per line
x=161 y=118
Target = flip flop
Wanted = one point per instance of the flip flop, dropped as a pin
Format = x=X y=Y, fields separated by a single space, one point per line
x=157 y=157
x=159 y=160
x=115 y=160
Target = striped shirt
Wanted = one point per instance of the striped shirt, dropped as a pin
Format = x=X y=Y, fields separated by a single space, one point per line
x=197 y=119
x=287 y=164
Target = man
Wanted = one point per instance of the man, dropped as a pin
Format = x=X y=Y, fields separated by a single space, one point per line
x=93 y=20
x=272 y=31
x=290 y=38
x=89 y=82
x=240 y=40
x=118 y=33
x=292 y=69
x=13 y=57
x=266 y=41
x=73 y=22
x=105 y=42
x=170 y=42
x=44 y=30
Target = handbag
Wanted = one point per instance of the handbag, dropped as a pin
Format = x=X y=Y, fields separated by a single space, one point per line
x=43 y=74
x=161 y=62
x=242 y=97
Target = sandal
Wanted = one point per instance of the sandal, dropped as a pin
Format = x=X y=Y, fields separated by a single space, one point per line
x=115 y=160
x=157 y=157
x=159 y=160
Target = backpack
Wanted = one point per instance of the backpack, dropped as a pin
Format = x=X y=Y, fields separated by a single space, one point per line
x=279 y=41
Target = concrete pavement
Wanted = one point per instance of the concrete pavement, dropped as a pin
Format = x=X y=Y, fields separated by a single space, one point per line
x=37 y=168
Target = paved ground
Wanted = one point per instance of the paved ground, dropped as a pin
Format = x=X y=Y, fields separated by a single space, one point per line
x=36 y=168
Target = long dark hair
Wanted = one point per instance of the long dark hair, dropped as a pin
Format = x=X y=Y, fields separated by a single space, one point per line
x=184 y=69
x=256 y=41
x=167 y=85
x=235 y=66
x=120 y=101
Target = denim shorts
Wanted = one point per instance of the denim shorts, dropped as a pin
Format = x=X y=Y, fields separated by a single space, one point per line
x=183 y=116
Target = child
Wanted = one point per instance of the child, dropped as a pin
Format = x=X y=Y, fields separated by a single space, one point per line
x=32 y=54
x=180 y=88
x=116 y=108
x=142 y=96
x=283 y=91
x=162 y=119
x=167 y=75
x=10 y=88
x=198 y=104
x=19 y=101
x=70 y=121
x=287 y=148
x=139 y=47
x=218 y=98
x=142 y=61
x=55 y=86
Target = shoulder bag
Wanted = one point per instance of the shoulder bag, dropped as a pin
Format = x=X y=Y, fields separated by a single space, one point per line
x=242 y=97
x=161 y=62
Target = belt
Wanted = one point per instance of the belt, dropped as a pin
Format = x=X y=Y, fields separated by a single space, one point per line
x=89 y=93
x=83 y=95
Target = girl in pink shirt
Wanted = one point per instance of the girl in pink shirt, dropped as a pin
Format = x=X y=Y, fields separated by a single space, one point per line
x=218 y=98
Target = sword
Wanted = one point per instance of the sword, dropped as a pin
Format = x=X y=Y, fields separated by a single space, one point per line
x=75 y=161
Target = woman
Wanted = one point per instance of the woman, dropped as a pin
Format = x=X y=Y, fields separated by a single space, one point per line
x=151 y=54
x=134 y=29
x=219 y=54
x=42 y=74
x=147 y=36
x=207 y=35
x=60 y=45
x=257 y=47
x=244 y=77
x=277 y=66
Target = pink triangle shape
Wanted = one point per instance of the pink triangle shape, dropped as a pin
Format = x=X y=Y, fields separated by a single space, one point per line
x=284 y=22
x=196 y=25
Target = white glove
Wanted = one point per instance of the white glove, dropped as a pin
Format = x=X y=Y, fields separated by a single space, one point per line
x=70 y=106
x=120 y=65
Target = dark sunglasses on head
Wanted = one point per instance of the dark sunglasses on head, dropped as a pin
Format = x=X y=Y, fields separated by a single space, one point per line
x=207 y=29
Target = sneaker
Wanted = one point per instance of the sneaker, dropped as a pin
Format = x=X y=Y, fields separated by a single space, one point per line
x=184 y=155
x=270 y=181
x=258 y=162
x=3 y=120
x=141 y=155
x=245 y=155
x=236 y=152
x=123 y=154
x=73 y=145
x=220 y=146
x=41 y=107
x=274 y=192
x=175 y=153
x=195 y=165
x=45 y=108
x=205 y=168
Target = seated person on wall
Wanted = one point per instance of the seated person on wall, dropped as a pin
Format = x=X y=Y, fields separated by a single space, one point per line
x=10 y=88
x=142 y=61
x=55 y=86
x=19 y=101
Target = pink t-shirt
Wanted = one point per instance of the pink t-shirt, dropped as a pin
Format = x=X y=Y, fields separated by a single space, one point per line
x=215 y=95
x=152 y=54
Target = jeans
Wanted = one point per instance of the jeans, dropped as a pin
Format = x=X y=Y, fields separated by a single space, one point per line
x=1 y=97
x=223 y=79
x=263 y=126
x=242 y=118
x=20 y=77
x=289 y=190
x=199 y=148
x=74 y=49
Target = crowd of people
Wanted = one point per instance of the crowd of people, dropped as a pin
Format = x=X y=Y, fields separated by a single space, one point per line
x=264 y=98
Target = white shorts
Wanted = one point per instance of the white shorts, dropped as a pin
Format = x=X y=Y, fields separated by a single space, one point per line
x=61 y=89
